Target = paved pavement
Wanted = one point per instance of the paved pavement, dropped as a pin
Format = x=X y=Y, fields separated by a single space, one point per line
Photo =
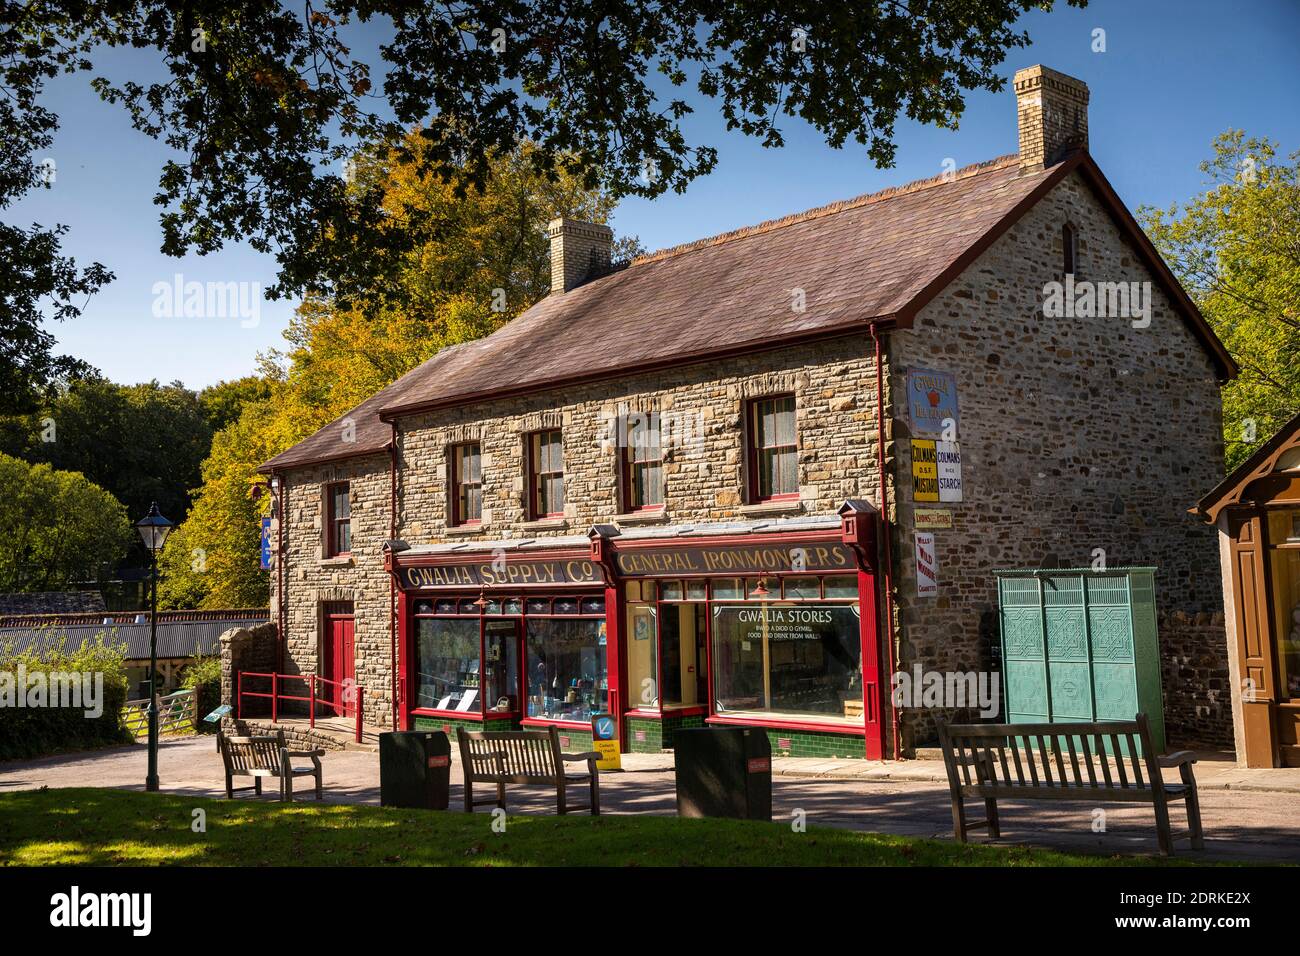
x=1248 y=815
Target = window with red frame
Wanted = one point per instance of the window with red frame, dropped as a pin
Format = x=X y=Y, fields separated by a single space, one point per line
x=546 y=474
x=773 y=457
x=338 y=520
x=467 y=483
x=643 y=463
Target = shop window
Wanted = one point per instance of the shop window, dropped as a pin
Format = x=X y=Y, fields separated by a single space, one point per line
x=501 y=666
x=593 y=606
x=466 y=483
x=697 y=591
x=842 y=586
x=643 y=466
x=1284 y=567
x=566 y=668
x=772 y=455
x=670 y=591
x=728 y=589
x=512 y=606
x=338 y=520
x=802 y=588
x=799 y=661
x=546 y=474
x=538 y=606
x=447 y=664
x=564 y=606
x=642 y=656
x=682 y=662
x=444 y=606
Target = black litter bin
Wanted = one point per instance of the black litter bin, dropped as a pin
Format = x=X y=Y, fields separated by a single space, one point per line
x=723 y=772
x=414 y=769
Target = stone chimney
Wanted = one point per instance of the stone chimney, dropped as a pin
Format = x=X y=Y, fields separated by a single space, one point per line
x=1052 y=110
x=579 y=251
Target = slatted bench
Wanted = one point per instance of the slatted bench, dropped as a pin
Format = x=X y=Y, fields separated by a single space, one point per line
x=263 y=757
x=1058 y=762
x=527 y=758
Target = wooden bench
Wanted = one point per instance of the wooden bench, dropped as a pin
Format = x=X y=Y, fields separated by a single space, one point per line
x=528 y=758
x=266 y=756
x=1058 y=762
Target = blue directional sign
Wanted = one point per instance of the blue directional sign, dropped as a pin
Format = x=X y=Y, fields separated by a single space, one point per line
x=266 y=544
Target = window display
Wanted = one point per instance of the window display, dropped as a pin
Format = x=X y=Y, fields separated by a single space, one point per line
x=566 y=668
x=1284 y=562
x=801 y=660
x=447 y=664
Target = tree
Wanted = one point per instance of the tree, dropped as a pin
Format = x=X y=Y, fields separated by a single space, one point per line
x=487 y=263
x=60 y=529
x=1236 y=249
x=143 y=443
x=266 y=104
x=222 y=403
x=34 y=269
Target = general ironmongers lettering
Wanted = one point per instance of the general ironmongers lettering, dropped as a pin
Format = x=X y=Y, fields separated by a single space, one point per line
x=740 y=560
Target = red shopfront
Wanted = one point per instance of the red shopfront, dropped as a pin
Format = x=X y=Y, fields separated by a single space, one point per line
x=776 y=630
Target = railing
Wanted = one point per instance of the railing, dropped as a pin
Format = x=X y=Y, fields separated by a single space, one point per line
x=347 y=696
x=177 y=713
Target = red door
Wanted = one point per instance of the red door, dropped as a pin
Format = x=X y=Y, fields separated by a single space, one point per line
x=340 y=660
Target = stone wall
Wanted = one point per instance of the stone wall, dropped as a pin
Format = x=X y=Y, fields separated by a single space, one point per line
x=833 y=384
x=1194 y=673
x=315 y=580
x=247 y=649
x=1076 y=434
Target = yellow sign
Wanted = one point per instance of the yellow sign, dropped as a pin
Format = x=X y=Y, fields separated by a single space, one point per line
x=925 y=471
x=604 y=741
x=933 y=519
x=610 y=757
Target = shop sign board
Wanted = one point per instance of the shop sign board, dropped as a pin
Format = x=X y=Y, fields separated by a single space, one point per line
x=948 y=465
x=604 y=741
x=931 y=400
x=737 y=559
x=933 y=519
x=498 y=573
x=925 y=471
x=927 y=568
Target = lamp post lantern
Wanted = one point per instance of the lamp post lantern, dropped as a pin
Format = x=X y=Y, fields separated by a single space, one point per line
x=153 y=529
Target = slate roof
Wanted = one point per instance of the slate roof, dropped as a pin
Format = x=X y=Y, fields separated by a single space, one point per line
x=51 y=602
x=877 y=258
x=175 y=638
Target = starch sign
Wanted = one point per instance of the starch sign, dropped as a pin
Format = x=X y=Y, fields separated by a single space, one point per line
x=927 y=568
x=947 y=456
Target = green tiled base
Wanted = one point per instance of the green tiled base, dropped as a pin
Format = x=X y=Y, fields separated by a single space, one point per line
x=657 y=734
x=453 y=725
x=799 y=743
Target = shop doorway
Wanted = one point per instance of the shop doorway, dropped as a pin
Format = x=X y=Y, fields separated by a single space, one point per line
x=502 y=646
x=338 y=666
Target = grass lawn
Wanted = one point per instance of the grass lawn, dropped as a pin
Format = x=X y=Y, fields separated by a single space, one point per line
x=121 y=827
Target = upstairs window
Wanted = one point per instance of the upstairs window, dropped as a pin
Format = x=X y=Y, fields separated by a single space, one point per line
x=643 y=463
x=772 y=455
x=1069 y=249
x=546 y=474
x=466 y=483
x=338 y=520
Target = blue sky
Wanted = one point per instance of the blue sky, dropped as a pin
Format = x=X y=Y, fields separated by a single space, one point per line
x=1174 y=74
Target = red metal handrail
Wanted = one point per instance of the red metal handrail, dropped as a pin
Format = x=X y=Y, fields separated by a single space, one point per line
x=340 y=702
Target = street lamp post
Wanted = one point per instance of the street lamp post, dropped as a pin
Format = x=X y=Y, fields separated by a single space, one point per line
x=153 y=529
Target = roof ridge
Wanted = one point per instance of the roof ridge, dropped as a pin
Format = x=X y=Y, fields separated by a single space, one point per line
x=818 y=212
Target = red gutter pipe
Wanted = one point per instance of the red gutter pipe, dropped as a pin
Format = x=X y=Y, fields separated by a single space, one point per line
x=392 y=588
x=886 y=536
x=281 y=572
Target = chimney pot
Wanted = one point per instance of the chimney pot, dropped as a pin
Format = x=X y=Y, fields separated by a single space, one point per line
x=579 y=251
x=1052 y=113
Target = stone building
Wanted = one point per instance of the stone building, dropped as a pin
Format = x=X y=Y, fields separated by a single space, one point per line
x=746 y=479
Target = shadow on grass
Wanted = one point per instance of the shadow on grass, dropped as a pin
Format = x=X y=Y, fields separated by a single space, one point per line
x=120 y=827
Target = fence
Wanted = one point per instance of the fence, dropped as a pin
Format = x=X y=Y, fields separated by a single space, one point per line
x=177 y=714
